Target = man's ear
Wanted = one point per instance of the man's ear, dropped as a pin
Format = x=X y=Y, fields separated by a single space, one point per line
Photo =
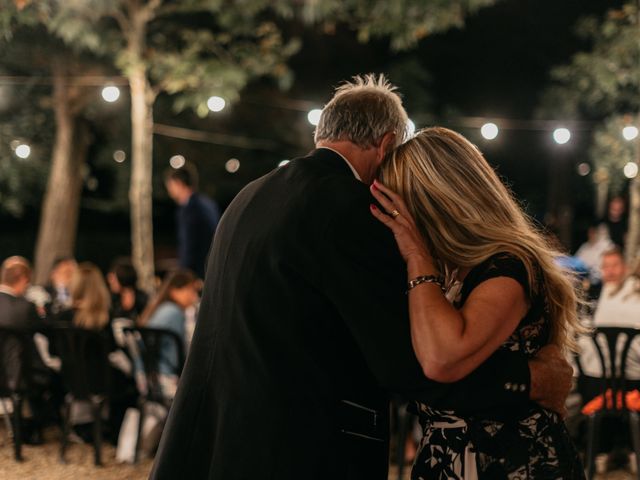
x=387 y=142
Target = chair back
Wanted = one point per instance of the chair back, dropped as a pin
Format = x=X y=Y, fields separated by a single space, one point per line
x=14 y=361
x=613 y=361
x=85 y=360
x=149 y=346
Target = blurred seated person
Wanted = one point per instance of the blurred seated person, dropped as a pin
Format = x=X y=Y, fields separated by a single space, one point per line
x=591 y=253
x=616 y=221
x=90 y=302
x=167 y=310
x=618 y=306
x=59 y=284
x=17 y=313
x=127 y=301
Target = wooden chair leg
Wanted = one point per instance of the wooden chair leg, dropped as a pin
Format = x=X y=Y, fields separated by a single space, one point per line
x=17 y=427
x=634 y=425
x=593 y=441
x=97 y=430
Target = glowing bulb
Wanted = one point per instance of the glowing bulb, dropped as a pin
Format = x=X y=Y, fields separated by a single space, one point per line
x=629 y=132
x=584 y=169
x=232 y=165
x=23 y=151
x=110 y=94
x=561 y=135
x=216 y=104
x=314 y=116
x=411 y=129
x=119 y=156
x=177 y=161
x=489 y=131
x=631 y=170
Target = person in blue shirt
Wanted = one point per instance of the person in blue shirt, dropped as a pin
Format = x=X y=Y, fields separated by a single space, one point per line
x=167 y=311
x=197 y=217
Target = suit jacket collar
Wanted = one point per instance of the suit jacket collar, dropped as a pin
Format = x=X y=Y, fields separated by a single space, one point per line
x=333 y=158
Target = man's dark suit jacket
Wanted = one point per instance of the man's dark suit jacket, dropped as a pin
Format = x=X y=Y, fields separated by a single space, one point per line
x=17 y=313
x=302 y=331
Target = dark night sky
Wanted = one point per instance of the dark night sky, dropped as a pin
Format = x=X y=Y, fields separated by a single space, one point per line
x=495 y=67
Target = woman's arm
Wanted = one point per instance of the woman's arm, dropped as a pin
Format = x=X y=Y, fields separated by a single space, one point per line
x=450 y=343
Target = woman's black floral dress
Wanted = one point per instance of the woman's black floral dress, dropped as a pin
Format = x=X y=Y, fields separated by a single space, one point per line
x=532 y=446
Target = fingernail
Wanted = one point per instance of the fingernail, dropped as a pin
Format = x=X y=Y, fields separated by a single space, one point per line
x=373 y=207
x=374 y=186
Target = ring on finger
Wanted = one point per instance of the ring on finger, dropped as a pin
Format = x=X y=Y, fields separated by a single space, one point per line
x=395 y=213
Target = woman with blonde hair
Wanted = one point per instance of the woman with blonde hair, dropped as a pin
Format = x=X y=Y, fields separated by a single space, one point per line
x=90 y=298
x=480 y=278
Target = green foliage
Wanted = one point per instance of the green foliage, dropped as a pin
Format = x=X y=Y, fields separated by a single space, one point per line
x=611 y=152
x=602 y=85
x=405 y=22
x=22 y=180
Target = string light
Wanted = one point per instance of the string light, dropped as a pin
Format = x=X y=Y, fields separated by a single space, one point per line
x=23 y=151
x=629 y=132
x=177 y=161
x=489 y=131
x=111 y=93
x=314 y=116
x=216 y=104
x=630 y=170
x=561 y=135
x=584 y=169
x=119 y=156
x=411 y=128
x=232 y=165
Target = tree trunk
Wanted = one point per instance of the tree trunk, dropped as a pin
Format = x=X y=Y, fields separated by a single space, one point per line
x=61 y=202
x=140 y=190
x=602 y=193
x=633 y=234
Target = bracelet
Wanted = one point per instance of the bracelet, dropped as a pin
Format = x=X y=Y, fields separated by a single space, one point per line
x=426 y=279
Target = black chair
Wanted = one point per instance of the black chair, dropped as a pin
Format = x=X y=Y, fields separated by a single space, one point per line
x=404 y=427
x=86 y=376
x=14 y=379
x=145 y=346
x=613 y=380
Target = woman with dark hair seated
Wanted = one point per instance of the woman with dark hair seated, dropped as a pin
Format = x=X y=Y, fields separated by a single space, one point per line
x=127 y=301
x=178 y=292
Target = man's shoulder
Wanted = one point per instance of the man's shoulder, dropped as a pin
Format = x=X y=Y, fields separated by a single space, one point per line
x=14 y=311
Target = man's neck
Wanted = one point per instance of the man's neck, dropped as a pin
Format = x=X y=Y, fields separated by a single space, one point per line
x=355 y=156
x=8 y=290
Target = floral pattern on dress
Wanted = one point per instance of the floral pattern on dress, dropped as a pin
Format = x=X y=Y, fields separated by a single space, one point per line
x=536 y=447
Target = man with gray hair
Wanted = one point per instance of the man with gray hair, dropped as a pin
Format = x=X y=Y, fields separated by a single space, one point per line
x=303 y=328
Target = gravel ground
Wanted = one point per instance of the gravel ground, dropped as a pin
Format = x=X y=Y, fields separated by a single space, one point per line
x=42 y=463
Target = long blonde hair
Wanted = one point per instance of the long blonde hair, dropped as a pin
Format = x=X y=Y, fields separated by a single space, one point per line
x=90 y=297
x=466 y=215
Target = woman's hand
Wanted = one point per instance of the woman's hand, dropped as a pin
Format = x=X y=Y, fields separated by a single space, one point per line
x=399 y=220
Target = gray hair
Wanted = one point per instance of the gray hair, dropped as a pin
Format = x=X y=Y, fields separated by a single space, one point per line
x=362 y=112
